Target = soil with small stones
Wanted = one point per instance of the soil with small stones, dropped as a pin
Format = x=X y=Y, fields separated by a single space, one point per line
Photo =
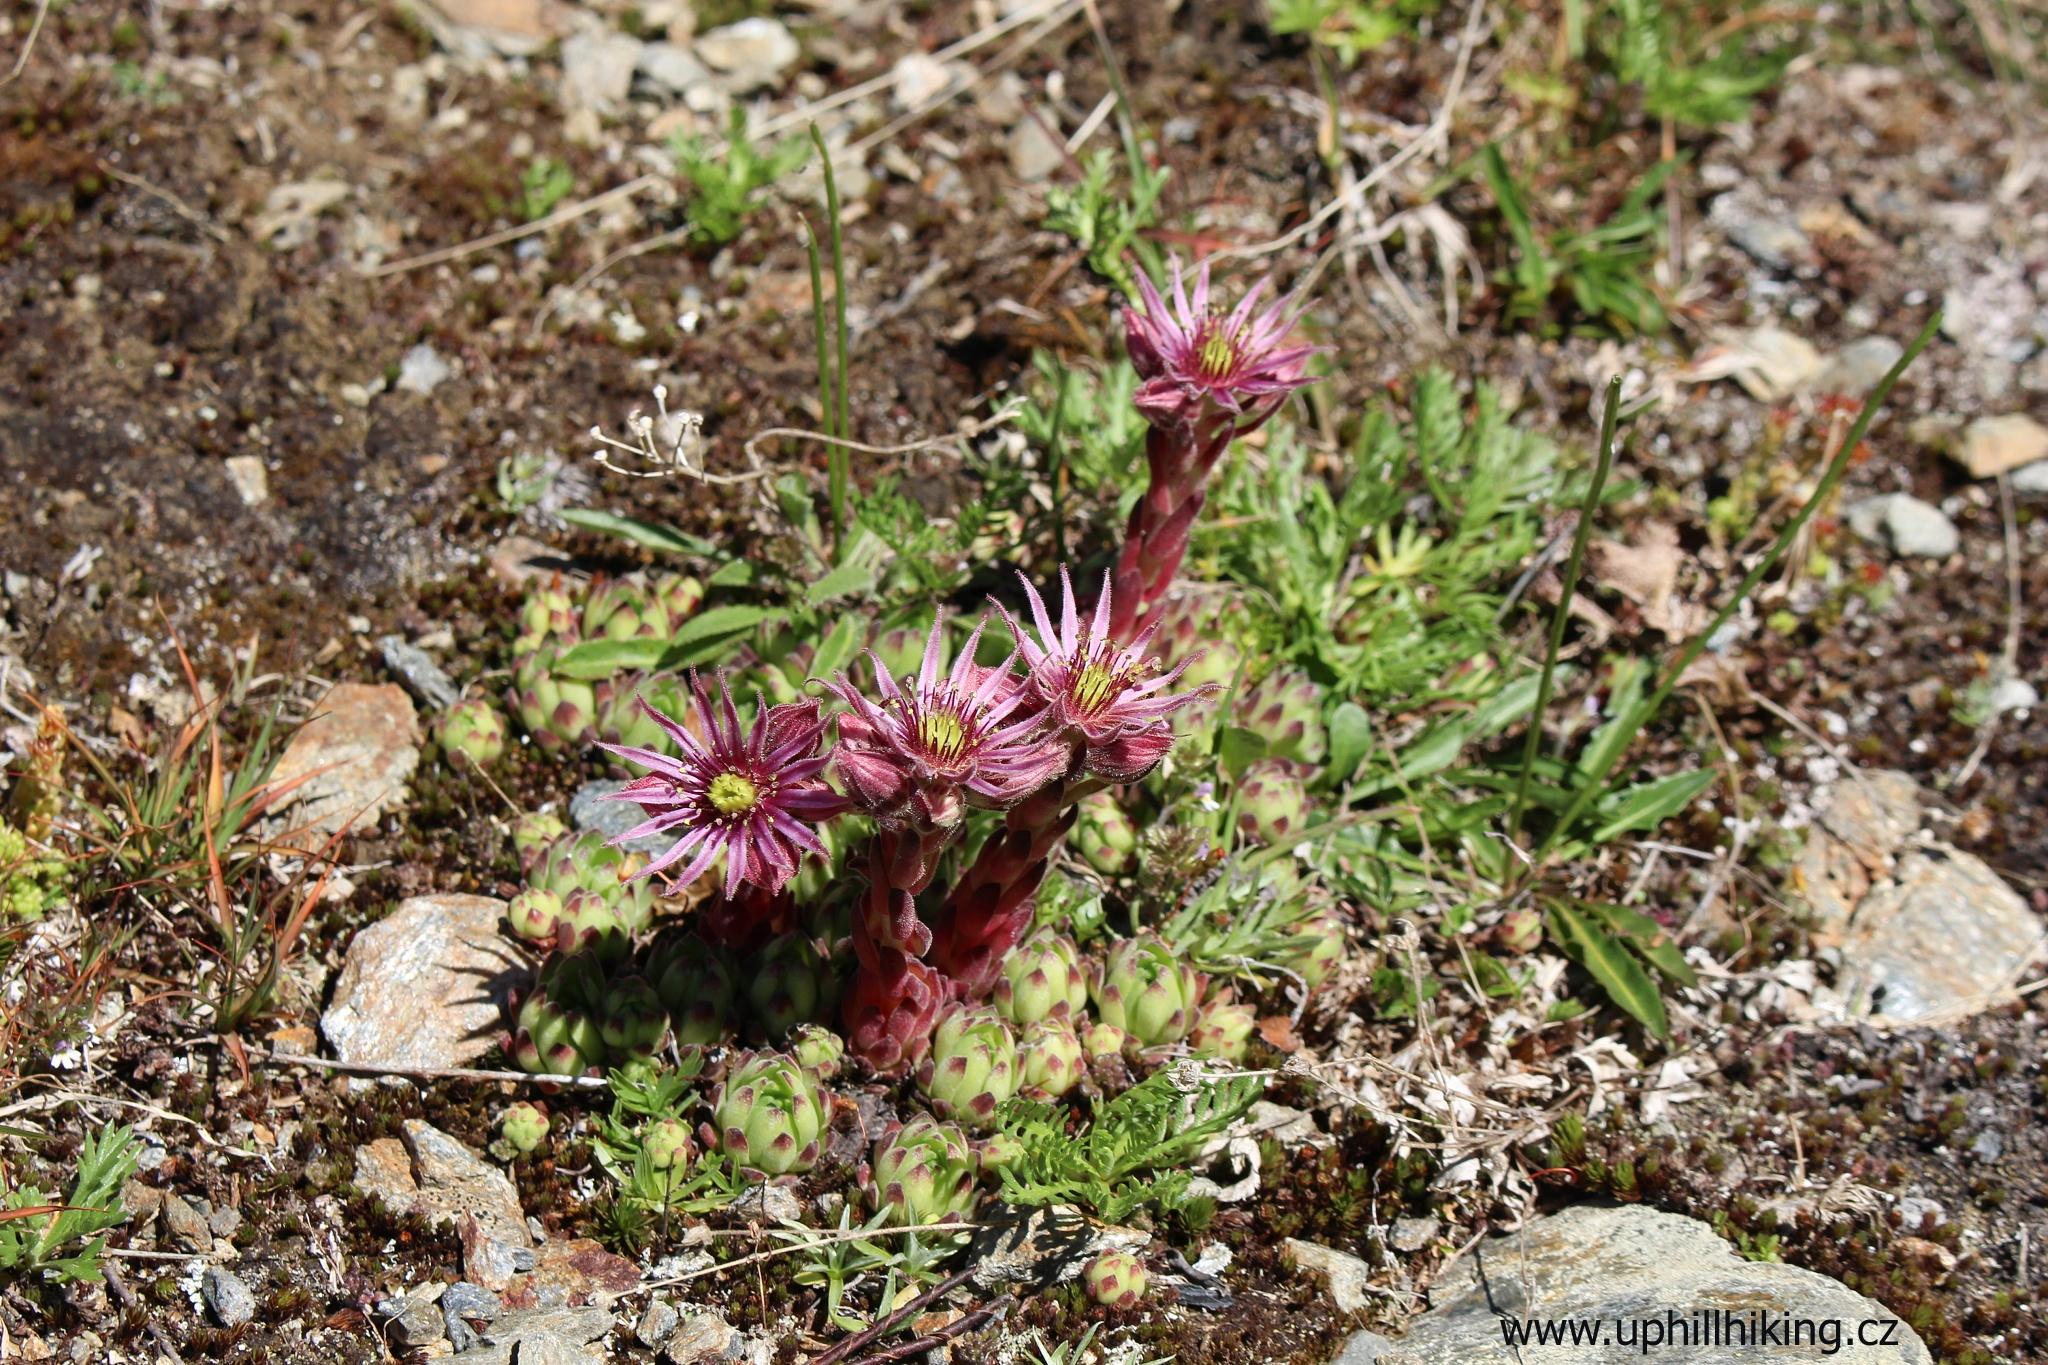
x=151 y=334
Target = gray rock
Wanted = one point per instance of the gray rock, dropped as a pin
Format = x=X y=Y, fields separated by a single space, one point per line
x=674 y=69
x=350 y=761
x=749 y=54
x=2031 y=480
x=1873 y=813
x=1035 y=153
x=597 y=69
x=416 y=671
x=185 y=1223
x=224 y=1222
x=250 y=477
x=434 y=1176
x=769 y=1202
x=540 y=1334
x=1413 y=1234
x=1855 y=369
x=1344 y=1275
x=1915 y=1211
x=1627 y=1268
x=701 y=1339
x=1944 y=938
x=463 y=1303
x=1772 y=240
x=1364 y=1348
x=588 y=810
x=1906 y=524
x=657 y=1324
x=425 y=986
x=422 y=370
x=417 y=1321
x=227 y=1298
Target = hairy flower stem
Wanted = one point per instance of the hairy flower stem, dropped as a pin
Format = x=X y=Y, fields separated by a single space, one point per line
x=1178 y=458
x=895 y=997
x=991 y=907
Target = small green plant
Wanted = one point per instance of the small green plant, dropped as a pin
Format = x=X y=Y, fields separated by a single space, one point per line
x=728 y=181
x=1351 y=28
x=1135 y=1151
x=1085 y=423
x=523 y=479
x=39 y=1237
x=545 y=183
x=1392 y=583
x=841 y=1262
x=1105 y=217
x=1581 y=276
x=1692 y=61
x=32 y=880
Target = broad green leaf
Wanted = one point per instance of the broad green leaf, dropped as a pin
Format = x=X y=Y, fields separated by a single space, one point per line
x=1649 y=804
x=737 y=573
x=1440 y=746
x=844 y=581
x=1350 y=742
x=666 y=539
x=687 y=644
x=595 y=659
x=1610 y=964
x=1650 y=939
x=836 y=650
x=1238 y=749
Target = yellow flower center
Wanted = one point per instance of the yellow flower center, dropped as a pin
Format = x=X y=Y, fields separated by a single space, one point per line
x=942 y=734
x=734 y=793
x=1218 y=355
x=1094 y=686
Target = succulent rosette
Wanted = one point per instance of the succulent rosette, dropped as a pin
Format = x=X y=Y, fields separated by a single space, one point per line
x=1144 y=988
x=1050 y=1059
x=1104 y=834
x=770 y=1114
x=1273 y=800
x=922 y=1172
x=818 y=1049
x=1284 y=708
x=556 y=1031
x=791 y=984
x=695 y=983
x=1223 y=1029
x=523 y=1126
x=972 y=1066
x=749 y=795
x=1042 y=979
x=668 y=1144
x=1115 y=1279
x=471 y=734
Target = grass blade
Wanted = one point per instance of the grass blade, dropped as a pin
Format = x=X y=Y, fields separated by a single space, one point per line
x=1609 y=413
x=1596 y=781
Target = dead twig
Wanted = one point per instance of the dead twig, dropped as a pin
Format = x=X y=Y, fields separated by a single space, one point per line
x=420 y=1073
x=21 y=60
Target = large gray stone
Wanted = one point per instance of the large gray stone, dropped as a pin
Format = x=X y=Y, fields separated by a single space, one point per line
x=425 y=986
x=1945 y=937
x=1629 y=1268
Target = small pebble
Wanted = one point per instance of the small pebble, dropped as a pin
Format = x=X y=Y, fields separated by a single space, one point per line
x=227 y=1297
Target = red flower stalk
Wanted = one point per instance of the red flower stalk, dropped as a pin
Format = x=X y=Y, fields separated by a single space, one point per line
x=751 y=794
x=935 y=743
x=1209 y=377
x=1104 y=703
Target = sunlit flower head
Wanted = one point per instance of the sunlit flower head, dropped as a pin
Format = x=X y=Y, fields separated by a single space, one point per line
x=1111 y=698
x=1191 y=356
x=751 y=793
x=938 y=739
